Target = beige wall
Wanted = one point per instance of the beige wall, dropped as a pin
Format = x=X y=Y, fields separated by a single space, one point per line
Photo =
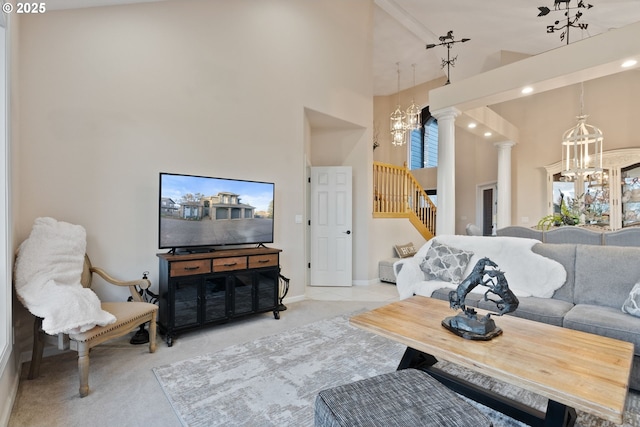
x=612 y=104
x=116 y=95
x=393 y=231
x=383 y=106
x=110 y=97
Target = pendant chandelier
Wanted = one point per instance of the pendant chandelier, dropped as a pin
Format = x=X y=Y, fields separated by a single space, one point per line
x=413 y=112
x=398 y=117
x=582 y=148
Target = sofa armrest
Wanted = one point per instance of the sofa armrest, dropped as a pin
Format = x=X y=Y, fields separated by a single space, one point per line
x=408 y=274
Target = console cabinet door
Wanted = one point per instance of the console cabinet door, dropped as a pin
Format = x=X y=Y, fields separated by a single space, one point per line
x=242 y=293
x=266 y=289
x=215 y=298
x=185 y=302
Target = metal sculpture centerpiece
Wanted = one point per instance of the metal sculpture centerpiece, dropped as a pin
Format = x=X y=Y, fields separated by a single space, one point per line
x=467 y=323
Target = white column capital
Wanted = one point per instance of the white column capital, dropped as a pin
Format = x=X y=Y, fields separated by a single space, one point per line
x=446 y=113
x=505 y=144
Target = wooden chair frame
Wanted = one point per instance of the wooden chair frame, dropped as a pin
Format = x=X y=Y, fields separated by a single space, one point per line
x=137 y=312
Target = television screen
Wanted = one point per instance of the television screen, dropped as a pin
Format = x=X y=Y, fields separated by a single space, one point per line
x=199 y=211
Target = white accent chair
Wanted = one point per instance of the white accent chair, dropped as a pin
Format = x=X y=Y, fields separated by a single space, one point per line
x=473 y=230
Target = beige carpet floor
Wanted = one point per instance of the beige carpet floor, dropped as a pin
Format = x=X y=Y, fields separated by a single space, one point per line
x=124 y=390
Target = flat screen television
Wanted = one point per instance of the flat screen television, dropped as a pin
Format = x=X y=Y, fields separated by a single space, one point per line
x=198 y=213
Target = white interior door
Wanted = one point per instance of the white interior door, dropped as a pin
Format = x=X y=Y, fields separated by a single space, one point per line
x=330 y=227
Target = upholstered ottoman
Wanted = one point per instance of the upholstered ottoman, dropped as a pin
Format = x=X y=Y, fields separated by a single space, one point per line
x=408 y=397
x=385 y=270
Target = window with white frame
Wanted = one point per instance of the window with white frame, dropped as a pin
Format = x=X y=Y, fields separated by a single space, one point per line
x=423 y=149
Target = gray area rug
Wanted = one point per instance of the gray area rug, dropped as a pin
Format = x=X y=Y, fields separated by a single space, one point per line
x=273 y=381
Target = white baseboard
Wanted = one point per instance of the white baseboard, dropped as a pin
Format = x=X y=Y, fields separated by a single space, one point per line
x=365 y=282
x=293 y=299
x=6 y=405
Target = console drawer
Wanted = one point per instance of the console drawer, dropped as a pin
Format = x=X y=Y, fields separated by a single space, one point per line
x=188 y=268
x=257 y=261
x=230 y=264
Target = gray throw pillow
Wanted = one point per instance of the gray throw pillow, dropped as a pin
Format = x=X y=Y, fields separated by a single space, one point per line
x=632 y=303
x=444 y=262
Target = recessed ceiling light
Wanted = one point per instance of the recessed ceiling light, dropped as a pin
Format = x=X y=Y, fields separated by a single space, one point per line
x=526 y=90
x=488 y=134
x=472 y=125
x=629 y=63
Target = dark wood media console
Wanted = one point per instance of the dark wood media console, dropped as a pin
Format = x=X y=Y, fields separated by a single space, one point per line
x=201 y=289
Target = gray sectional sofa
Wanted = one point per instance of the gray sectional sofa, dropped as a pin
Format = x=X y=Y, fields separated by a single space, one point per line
x=584 y=235
x=598 y=281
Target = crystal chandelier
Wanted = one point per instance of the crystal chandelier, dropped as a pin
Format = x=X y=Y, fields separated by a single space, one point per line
x=398 y=117
x=582 y=148
x=413 y=112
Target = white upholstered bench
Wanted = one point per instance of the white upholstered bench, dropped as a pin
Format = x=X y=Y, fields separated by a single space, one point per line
x=385 y=270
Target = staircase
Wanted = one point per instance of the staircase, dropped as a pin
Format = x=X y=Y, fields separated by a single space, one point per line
x=397 y=194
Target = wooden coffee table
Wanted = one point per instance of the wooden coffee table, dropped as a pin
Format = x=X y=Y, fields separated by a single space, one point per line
x=573 y=369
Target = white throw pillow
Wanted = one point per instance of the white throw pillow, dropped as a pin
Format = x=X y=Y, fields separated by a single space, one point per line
x=632 y=303
x=444 y=262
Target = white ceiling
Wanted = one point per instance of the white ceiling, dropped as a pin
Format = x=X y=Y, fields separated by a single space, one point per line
x=403 y=28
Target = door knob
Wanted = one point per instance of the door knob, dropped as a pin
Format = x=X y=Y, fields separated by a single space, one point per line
x=347 y=232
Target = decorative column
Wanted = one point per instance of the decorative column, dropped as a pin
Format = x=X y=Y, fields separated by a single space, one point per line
x=504 y=184
x=446 y=188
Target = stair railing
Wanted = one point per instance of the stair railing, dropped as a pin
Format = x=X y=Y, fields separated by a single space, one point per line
x=397 y=194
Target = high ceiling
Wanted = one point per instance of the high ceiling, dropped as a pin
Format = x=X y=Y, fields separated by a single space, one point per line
x=403 y=28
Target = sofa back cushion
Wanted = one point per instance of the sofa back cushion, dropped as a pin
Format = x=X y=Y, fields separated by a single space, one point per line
x=576 y=235
x=622 y=237
x=565 y=254
x=605 y=275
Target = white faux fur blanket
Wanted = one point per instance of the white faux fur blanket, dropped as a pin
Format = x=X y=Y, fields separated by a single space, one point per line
x=47 y=279
x=528 y=273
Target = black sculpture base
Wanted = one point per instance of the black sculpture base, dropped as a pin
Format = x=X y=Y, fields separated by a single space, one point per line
x=469 y=326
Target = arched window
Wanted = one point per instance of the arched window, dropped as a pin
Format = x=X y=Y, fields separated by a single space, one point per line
x=423 y=152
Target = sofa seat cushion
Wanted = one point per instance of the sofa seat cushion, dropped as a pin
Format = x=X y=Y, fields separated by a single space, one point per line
x=606 y=321
x=546 y=310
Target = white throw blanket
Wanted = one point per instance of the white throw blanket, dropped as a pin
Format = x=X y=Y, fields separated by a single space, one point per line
x=528 y=273
x=47 y=279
